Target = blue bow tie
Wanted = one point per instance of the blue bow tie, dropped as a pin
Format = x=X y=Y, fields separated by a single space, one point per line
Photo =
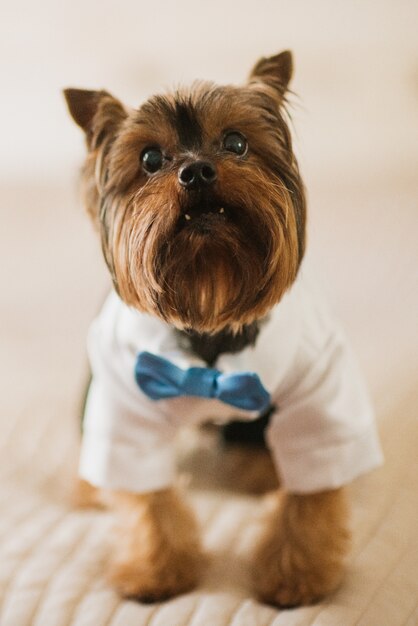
x=159 y=378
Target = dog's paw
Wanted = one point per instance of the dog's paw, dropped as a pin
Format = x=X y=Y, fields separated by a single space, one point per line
x=290 y=577
x=155 y=579
x=300 y=558
x=157 y=552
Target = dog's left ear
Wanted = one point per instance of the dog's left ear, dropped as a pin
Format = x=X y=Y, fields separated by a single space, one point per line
x=275 y=72
x=98 y=113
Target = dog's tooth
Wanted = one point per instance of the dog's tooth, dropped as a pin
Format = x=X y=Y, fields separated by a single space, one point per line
x=187 y=216
x=221 y=210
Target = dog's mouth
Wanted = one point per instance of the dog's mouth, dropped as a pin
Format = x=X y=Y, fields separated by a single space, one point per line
x=203 y=218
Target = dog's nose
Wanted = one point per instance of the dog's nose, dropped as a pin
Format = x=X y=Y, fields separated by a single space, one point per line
x=197 y=174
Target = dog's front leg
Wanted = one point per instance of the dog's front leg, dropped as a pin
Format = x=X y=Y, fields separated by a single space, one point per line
x=156 y=551
x=300 y=557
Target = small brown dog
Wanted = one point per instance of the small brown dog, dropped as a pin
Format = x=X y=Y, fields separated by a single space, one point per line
x=201 y=211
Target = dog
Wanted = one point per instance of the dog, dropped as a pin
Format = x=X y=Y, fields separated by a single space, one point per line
x=200 y=207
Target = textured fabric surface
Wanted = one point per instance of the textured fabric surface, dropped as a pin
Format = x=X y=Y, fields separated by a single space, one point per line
x=52 y=558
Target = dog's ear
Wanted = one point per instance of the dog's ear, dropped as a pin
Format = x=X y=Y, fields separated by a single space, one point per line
x=98 y=113
x=275 y=72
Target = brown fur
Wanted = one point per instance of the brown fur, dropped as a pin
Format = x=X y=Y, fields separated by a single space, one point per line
x=300 y=557
x=251 y=255
x=85 y=496
x=157 y=551
x=216 y=276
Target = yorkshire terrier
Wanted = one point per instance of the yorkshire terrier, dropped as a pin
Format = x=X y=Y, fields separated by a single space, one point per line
x=201 y=211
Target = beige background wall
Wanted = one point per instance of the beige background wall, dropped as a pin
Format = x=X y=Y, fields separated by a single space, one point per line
x=356 y=70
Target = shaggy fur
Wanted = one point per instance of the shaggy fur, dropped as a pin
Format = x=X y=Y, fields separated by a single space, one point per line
x=244 y=259
x=300 y=557
x=214 y=277
x=157 y=551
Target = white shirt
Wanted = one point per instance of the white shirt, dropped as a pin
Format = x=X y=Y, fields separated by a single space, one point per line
x=321 y=436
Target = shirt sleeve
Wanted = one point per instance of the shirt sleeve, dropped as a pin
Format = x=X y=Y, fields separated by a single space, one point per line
x=127 y=443
x=323 y=434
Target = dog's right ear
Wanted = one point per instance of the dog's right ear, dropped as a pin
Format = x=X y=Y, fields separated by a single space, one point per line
x=275 y=72
x=98 y=113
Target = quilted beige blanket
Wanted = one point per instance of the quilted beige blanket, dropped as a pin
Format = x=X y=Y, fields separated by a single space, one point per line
x=52 y=557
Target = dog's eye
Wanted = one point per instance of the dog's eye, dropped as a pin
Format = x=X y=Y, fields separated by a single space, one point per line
x=152 y=160
x=235 y=142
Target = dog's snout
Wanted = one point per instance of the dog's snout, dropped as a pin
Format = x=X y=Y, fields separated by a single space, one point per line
x=197 y=174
